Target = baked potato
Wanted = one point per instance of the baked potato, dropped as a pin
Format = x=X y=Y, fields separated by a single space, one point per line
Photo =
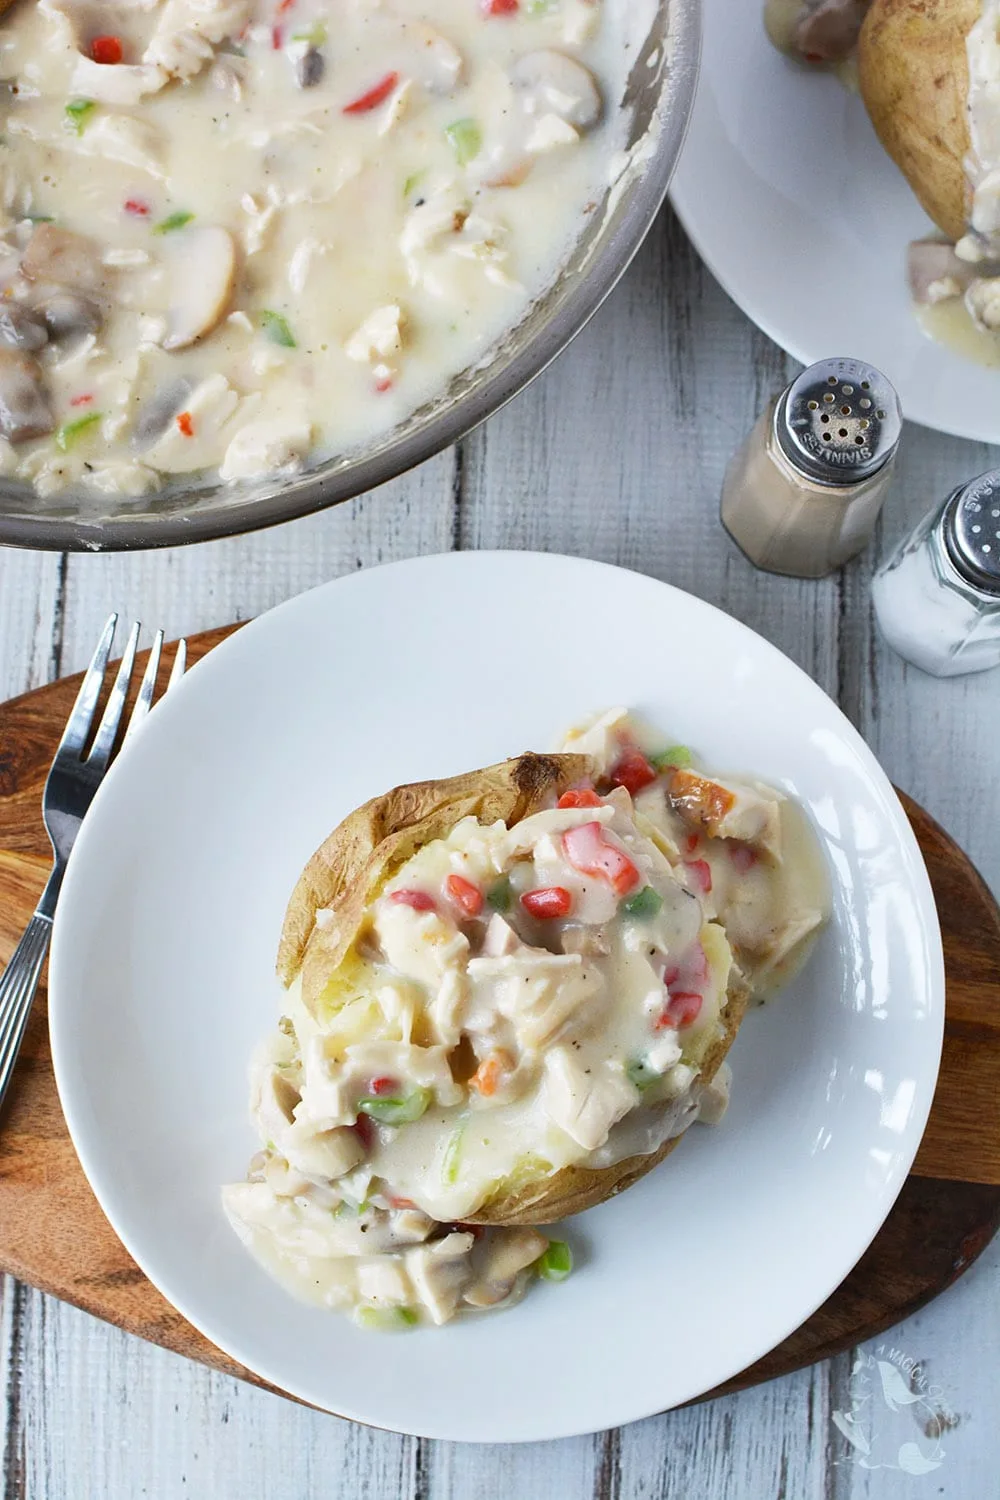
x=351 y=869
x=507 y=996
x=914 y=80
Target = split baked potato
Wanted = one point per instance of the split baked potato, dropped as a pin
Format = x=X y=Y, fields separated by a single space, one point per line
x=329 y=920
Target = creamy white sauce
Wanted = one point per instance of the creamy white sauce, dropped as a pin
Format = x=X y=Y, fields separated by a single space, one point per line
x=487 y=1046
x=373 y=253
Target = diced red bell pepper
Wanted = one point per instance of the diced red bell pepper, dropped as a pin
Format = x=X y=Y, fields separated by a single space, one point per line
x=684 y=1002
x=419 y=900
x=590 y=852
x=499 y=7
x=81 y=400
x=681 y=1010
x=743 y=857
x=106 y=49
x=137 y=207
x=701 y=874
x=633 y=771
x=374 y=96
x=579 y=796
x=691 y=842
x=380 y=1086
x=185 y=423
x=464 y=894
x=549 y=901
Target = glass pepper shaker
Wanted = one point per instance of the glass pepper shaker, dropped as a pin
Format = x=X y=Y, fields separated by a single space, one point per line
x=937 y=599
x=803 y=493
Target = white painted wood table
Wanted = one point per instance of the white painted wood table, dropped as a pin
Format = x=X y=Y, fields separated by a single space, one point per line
x=617 y=453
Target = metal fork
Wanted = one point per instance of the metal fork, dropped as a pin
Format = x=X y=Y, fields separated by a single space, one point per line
x=69 y=790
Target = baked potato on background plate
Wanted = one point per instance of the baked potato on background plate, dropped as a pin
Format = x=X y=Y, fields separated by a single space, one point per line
x=796 y=206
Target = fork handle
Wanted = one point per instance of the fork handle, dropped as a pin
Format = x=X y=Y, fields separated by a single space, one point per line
x=17 y=990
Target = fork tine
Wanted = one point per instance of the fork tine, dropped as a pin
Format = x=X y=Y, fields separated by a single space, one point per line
x=144 y=701
x=79 y=722
x=180 y=664
x=104 y=739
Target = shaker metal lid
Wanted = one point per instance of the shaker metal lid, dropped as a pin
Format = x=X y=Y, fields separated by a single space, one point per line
x=971 y=530
x=839 y=422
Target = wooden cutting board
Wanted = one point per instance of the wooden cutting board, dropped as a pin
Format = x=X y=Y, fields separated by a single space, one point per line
x=54 y=1235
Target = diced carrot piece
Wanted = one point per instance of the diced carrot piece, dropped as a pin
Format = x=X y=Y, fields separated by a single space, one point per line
x=486 y=1078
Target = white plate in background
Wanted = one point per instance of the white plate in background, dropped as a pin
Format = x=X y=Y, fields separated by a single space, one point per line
x=162 y=982
x=796 y=209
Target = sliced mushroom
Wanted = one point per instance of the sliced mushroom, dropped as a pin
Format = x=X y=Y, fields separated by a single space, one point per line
x=210 y=408
x=935 y=272
x=59 y=255
x=202 y=269
x=24 y=403
x=20 y=328
x=551 y=82
x=310 y=66
x=829 y=30
x=497 y=1260
x=439 y=1273
x=68 y=315
x=156 y=414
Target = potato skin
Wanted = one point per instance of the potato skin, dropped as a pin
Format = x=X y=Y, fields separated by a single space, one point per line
x=914 y=82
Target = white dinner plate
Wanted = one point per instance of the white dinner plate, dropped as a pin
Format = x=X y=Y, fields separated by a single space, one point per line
x=162 y=982
x=800 y=214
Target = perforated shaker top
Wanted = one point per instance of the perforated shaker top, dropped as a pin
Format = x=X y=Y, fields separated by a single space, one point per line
x=971 y=529
x=839 y=422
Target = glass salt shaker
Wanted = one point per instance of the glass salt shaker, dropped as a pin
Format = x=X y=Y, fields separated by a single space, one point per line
x=803 y=493
x=937 y=599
